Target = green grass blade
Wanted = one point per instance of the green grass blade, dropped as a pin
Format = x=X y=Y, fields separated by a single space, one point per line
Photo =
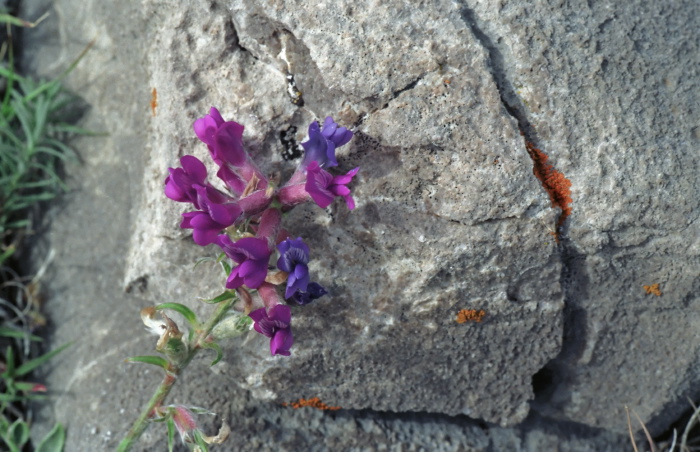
x=51 y=84
x=9 y=332
x=9 y=363
x=36 y=362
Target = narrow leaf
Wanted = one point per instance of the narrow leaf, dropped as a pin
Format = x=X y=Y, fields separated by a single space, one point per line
x=186 y=312
x=9 y=332
x=219 y=353
x=9 y=363
x=203 y=260
x=29 y=387
x=155 y=360
x=36 y=362
x=199 y=440
x=171 y=434
x=6 y=18
x=227 y=295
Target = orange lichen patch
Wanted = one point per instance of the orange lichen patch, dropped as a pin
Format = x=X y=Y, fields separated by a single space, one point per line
x=653 y=289
x=470 y=315
x=313 y=403
x=154 y=101
x=557 y=186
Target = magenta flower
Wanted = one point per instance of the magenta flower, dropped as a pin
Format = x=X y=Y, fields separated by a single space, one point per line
x=205 y=230
x=206 y=127
x=223 y=138
x=252 y=255
x=294 y=255
x=179 y=184
x=323 y=187
x=217 y=212
x=275 y=324
x=323 y=142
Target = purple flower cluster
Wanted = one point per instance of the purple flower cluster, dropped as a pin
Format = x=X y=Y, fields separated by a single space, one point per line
x=251 y=201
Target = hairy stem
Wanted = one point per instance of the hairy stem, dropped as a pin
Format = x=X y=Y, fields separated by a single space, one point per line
x=171 y=377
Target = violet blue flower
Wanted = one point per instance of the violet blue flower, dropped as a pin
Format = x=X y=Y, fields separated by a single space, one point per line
x=313 y=291
x=179 y=184
x=294 y=255
x=323 y=187
x=338 y=135
x=252 y=255
x=322 y=143
x=275 y=324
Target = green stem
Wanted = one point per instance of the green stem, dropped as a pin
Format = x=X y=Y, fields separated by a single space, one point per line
x=169 y=380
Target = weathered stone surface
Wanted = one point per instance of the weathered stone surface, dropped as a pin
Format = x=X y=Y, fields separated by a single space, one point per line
x=449 y=216
x=611 y=92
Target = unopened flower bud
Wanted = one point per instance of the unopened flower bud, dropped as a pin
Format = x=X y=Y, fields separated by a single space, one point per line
x=234 y=325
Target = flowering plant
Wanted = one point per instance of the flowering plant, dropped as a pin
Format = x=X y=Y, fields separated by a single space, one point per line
x=266 y=270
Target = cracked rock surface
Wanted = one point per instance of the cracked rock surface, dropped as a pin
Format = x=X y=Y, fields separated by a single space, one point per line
x=449 y=216
x=611 y=93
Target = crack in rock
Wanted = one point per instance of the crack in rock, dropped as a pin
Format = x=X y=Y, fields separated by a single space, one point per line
x=394 y=95
x=510 y=100
x=557 y=186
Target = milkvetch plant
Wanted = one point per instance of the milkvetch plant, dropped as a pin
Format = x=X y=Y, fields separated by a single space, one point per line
x=267 y=272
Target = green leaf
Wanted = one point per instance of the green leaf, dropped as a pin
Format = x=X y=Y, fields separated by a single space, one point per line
x=219 y=353
x=53 y=441
x=9 y=442
x=199 y=440
x=227 y=295
x=6 y=18
x=186 y=312
x=224 y=264
x=18 y=433
x=203 y=260
x=155 y=360
x=10 y=397
x=9 y=363
x=171 y=434
x=25 y=386
x=36 y=362
x=9 y=332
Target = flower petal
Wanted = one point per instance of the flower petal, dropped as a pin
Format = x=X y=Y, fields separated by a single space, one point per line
x=228 y=144
x=281 y=342
x=280 y=313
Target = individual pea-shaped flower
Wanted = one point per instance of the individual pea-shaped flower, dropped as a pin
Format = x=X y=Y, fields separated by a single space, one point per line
x=323 y=187
x=275 y=324
x=322 y=143
x=252 y=255
x=313 y=291
x=218 y=211
x=223 y=138
x=179 y=185
x=294 y=257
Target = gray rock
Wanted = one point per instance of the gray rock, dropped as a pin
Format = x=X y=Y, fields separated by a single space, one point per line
x=449 y=216
x=612 y=95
